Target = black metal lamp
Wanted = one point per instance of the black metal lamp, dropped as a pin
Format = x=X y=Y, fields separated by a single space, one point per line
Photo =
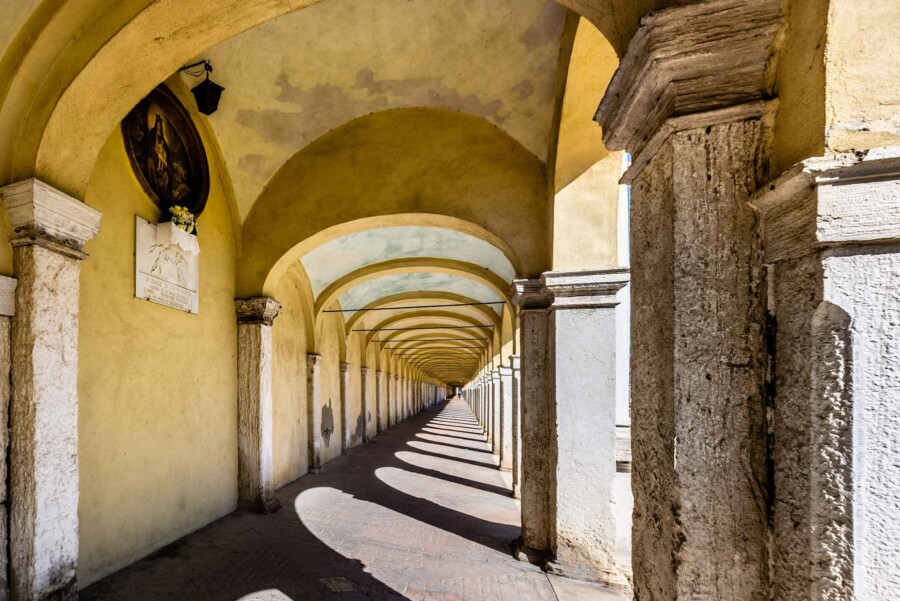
x=207 y=93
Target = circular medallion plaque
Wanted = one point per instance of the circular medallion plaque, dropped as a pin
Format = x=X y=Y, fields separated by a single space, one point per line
x=166 y=152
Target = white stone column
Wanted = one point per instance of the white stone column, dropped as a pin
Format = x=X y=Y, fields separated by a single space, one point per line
x=256 y=483
x=49 y=230
x=696 y=119
x=314 y=412
x=368 y=412
x=515 y=362
x=577 y=410
x=506 y=419
x=496 y=411
x=346 y=407
x=832 y=245
x=379 y=402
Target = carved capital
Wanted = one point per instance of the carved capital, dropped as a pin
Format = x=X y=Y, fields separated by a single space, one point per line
x=313 y=362
x=344 y=368
x=40 y=214
x=688 y=67
x=259 y=310
x=581 y=289
x=530 y=295
x=825 y=202
x=364 y=371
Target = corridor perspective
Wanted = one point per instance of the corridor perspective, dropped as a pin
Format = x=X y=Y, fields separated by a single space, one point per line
x=450 y=299
x=421 y=514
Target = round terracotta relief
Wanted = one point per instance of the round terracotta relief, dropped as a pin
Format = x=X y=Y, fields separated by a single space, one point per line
x=166 y=152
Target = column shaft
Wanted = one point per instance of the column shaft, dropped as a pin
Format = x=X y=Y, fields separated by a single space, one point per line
x=255 y=468
x=506 y=419
x=314 y=431
x=346 y=408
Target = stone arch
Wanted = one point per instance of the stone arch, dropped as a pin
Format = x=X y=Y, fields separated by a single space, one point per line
x=378 y=171
x=85 y=96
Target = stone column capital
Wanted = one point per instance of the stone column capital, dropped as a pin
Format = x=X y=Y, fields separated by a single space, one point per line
x=495 y=375
x=313 y=361
x=581 y=289
x=530 y=295
x=344 y=368
x=505 y=372
x=40 y=214
x=364 y=371
x=831 y=201
x=688 y=67
x=515 y=362
x=259 y=310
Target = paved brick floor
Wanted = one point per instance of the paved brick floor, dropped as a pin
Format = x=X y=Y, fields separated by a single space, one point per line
x=421 y=514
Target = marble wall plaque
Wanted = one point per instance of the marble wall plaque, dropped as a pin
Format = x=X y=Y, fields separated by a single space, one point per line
x=165 y=273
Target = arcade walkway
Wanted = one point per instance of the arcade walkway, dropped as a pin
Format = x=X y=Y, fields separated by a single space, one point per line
x=423 y=513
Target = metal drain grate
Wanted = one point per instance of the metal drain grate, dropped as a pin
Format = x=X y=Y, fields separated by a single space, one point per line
x=338 y=584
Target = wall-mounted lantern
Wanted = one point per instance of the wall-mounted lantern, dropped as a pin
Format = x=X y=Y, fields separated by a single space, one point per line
x=207 y=93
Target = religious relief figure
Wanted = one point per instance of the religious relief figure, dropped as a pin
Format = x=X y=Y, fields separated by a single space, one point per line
x=166 y=153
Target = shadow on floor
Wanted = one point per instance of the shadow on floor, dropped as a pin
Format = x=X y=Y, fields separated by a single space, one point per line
x=354 y=508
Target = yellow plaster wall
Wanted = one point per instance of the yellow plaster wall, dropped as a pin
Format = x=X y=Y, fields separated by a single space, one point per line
x=862 y=62
x=585 y=215
x=289 y=436
x=157 y=438
x=354 y=358
x=580 y=142
x=331 y=326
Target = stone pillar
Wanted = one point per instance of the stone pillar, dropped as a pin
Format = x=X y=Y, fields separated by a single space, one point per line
x=496 y=396
x=314 y=431
x=516 y=393
x=696 y=119
x=7 y=310
x=832 y=246
x=49 y=230
x=256 y=483
x=346 y=407
x=576 y=472
x=506 y=419
x=379 y=400
x=395 y=407
x=367 y=413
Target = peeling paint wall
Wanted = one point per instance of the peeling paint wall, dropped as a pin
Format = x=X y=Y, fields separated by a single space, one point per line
x=157 y=438
x=496 y=60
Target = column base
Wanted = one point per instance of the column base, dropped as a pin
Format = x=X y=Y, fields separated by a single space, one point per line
x=262 y=506
x=527 y=554
x=64 y=592
x=586 y=572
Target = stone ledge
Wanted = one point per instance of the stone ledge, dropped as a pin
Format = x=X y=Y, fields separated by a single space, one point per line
x=581 y=289
x=689 y=60
x=41 y=214
x=831 y=201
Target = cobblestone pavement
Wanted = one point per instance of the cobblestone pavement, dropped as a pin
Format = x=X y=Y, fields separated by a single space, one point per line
x=422 y=513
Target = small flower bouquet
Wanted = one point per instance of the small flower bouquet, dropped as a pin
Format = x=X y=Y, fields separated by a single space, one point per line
x=179 y=231
x=183 y=219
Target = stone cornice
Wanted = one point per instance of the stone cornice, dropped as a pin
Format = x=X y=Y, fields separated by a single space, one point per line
x=530 y=295
x=580 y=289
x=257 y=310
x=706 y=59
x=831 y=201
x=41 y=214
x=8 y=296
